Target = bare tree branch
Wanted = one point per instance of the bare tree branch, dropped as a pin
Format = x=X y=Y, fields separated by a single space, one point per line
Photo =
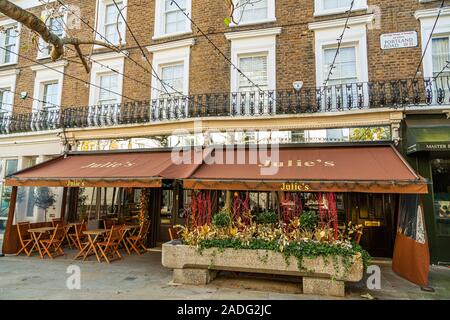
x=235 y=5
x=35 y=24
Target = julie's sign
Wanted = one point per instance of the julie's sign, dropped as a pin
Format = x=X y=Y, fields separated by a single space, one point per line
x=399 y=40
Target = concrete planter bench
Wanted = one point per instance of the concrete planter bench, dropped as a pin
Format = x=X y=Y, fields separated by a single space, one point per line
x=320 y=276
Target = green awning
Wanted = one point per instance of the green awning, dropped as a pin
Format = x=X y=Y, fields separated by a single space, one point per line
x=429 y=135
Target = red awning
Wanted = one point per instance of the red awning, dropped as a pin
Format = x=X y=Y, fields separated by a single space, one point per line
x=113 y=169
x=378 y=169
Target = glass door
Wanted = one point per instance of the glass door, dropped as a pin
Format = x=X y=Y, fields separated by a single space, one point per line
x=7 y=167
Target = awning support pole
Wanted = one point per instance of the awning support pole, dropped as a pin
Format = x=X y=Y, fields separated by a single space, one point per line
x=63 y=204
x=9 y=223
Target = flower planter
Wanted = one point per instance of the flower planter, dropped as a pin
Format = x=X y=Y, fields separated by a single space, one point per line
x=321 y=276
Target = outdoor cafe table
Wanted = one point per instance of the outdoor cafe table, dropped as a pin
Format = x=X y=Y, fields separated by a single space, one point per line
x=90 y=248
x=37 y=233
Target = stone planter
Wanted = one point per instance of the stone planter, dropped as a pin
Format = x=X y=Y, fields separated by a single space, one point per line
x=320 y=276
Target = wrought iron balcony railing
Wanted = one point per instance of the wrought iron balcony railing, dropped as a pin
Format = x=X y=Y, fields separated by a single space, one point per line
x=333 y=98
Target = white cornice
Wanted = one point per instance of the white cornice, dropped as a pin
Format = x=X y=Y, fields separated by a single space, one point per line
x=364 y=19
x=47 y=66
x=171 y=45
x=253 y=33
x=11 y=72
x=110 y=55
x=431 y=13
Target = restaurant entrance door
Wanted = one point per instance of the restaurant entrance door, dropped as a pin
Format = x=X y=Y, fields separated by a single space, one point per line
x=378 y=214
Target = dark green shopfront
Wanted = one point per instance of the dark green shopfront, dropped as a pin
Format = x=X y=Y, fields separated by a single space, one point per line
x=426 y=145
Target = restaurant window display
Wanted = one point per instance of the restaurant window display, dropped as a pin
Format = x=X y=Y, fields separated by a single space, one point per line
x=441 y=188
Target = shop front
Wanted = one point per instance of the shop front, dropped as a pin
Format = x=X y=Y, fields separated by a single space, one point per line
x=427 y=148
x=363 y=184
x=100 y=186
x=359 y=184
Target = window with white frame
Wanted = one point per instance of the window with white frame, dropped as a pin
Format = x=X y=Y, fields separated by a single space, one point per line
x=56 y=24
x=344 y=69
x=172 y=77
x=174 y=18
x=48 y=84
x=7 y=167
x=50 y=95
x=6 y=100
x=254 y=53
x=440 y=56
x=9 y=41
x=346 y=85
x=253 y=11
x=170 y=20
x=7 y=88
x=171 y=61
x=113 y=22
x=254 y=67
x=436 y=58
x=325 y=7
x=107 y=93
x=111 y=26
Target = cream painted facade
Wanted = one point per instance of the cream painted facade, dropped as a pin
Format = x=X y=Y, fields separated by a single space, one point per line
x=17 y=152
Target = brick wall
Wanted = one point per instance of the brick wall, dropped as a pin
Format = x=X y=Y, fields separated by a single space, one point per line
x=209 y=72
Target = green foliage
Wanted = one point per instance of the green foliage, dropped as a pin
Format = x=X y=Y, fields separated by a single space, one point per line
x=299 y=250
x=267 y=217
x=308 y=220
x=369 y=134
x=44 y=198
x=221 y=219
x=227 y=21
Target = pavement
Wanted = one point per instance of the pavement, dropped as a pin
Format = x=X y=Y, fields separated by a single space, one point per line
x=143 y=277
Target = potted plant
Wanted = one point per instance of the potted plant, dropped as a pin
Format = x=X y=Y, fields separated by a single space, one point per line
x=44 y=198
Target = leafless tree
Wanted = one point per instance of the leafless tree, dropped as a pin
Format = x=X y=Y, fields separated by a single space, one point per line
x=39 y=28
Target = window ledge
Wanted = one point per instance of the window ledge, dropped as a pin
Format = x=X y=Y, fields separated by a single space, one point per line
x=54 y=65
x=9 y=72
x=8 y=64
x=169 y=35
x=253 y=33
x=337 y=11
x=334 y=23
x=249 y=23
x=42 y=57
x=171 y=45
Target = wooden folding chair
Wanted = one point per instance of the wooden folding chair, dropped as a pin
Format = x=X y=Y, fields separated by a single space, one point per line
x=52 y=246
x=110 y=248
x=57 y=221
x=137 y=242
x=78 y=239
x=108 y=223
x=26 y=241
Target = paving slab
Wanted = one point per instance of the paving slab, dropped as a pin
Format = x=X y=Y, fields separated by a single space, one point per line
x=143 y=277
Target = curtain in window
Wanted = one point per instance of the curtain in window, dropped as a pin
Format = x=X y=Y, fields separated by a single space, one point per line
x=440 y=53
x=345 y=65
x=255 y=68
